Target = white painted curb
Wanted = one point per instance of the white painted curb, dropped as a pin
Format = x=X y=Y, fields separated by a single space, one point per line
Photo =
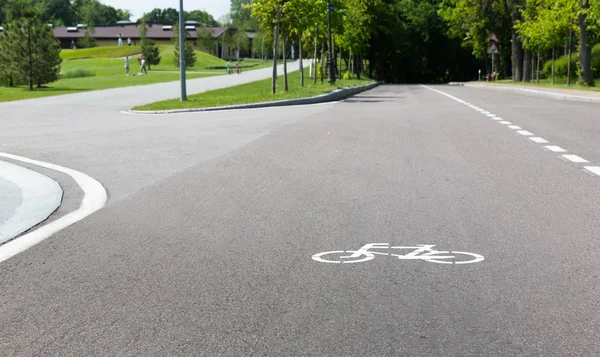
x=334 y=96
x=95 y=198
x=41 y=196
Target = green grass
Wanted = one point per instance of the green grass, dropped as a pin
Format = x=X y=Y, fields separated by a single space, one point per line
x=107 y=63
x=100 y=52
x=255 y=92
x=560 y=83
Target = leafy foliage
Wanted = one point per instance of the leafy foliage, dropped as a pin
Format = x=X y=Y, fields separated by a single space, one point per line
x=190 y=55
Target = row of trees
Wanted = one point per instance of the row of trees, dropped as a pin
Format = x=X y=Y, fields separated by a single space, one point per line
x=393 y=40
x=170 y=16
x=62 y=12
x=528 y=29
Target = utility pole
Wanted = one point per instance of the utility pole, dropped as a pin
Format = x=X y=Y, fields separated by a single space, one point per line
x=182 y=52
x=331 y=75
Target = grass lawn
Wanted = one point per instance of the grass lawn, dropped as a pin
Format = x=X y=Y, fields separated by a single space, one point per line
x=560 y=83
x=107 y=63
x=255 y=92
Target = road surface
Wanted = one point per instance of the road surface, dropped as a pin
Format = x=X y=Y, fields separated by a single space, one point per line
x=206 y=245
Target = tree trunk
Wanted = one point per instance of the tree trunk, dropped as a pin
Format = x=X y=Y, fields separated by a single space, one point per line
x=517 y=50
x=358 y=67
x=553 y=57
x=316 y=54
x=585 y=52
x=300 y=55
x=538 y=68
x=322 y=62
x=275 y=44
x=285 y=76
x=526 y=68
x=30 y=58
x=569 y=49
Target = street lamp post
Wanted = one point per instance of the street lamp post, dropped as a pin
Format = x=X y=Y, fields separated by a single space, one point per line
x=331 y=75
x=182 y=53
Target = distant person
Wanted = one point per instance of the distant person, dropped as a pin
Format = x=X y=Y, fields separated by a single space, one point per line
x=143 y=68
x=120 y=40
x=129 y=41
x=127 y=65
x=238 y=70
x=73 y=44
x=228 y=65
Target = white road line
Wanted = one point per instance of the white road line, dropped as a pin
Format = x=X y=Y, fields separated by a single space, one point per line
x=554 y=148
x=94 y=199
x=505 y=122
x=515 y=127
x=524 y=133
x=490 y=115
x=575 y=159
x=538 y=140
x=593 y=169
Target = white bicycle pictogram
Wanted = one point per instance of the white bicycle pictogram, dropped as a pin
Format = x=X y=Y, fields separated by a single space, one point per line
x=419 y=252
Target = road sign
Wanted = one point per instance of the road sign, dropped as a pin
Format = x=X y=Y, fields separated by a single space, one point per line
x=493 y=50
x=493 y=39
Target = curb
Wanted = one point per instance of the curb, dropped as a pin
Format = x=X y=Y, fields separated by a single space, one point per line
x=533 y=92
x=334 y=96
x=41 y=196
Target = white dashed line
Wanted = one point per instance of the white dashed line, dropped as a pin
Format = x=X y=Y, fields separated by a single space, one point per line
x=576 y=159
x=538 y=140
x=554 y=148
x=524 y=133
x=593 y=169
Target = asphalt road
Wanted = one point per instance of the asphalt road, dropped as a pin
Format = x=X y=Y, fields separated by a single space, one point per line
x=205 y=247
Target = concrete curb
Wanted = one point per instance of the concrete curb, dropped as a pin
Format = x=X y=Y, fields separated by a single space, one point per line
x=41 y=196
x=533 y=92
x=334 y=96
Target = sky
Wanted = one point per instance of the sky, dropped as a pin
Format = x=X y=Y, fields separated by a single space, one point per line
x=217 y=8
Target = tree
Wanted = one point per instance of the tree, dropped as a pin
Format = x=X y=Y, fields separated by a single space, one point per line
x=88 y=13
x=166 y=16
x=205 y=40
x=150 y=50
x=33 y=52
x=241 y=15
x=240 y=42
x=202 y=17
x=190 y=55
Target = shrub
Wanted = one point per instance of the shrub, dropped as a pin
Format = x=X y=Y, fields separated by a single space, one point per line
x=348 y=76
x=560 y=65
x=79 y=73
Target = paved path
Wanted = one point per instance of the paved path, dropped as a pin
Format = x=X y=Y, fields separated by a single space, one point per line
x=206 y=245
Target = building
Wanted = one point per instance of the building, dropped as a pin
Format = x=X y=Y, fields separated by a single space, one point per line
x=161 y=34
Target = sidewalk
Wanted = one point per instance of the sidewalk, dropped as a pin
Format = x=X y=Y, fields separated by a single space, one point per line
x=540 y=92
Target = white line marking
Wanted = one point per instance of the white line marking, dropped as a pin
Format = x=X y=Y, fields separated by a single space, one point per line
x=505 y=122
x=94 y=199
x=490 y=115
x=575 y=158
x=593 y=169
x=515 y=127
x=554 y=148
x=524 y=133
x=538 y=140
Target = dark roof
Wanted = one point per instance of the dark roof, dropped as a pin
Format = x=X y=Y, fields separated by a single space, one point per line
x=155 y=31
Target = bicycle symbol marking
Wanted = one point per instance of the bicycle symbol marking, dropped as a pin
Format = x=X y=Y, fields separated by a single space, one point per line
x=423 y=252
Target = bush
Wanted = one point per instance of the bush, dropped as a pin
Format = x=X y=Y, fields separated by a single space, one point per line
x=79 y=73
x=560 y=65
x=232 y=65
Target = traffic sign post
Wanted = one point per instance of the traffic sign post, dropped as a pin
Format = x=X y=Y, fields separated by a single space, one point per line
x=493 y=49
